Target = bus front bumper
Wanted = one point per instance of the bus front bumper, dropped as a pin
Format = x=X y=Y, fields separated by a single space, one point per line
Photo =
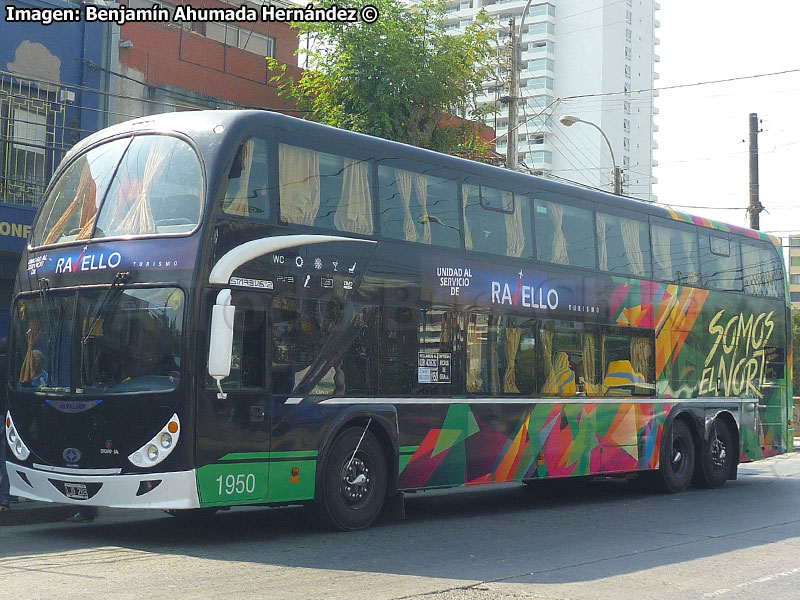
x=176 y=490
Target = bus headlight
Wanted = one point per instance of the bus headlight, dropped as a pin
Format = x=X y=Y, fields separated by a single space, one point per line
x=16 y=444
x=159 y=447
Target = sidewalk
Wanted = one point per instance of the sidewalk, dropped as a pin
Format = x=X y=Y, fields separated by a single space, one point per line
x=29 y=512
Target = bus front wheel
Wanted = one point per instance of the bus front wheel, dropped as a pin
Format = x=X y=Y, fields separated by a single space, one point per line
x=354 y=482
x=716 y=461
x=677 y=458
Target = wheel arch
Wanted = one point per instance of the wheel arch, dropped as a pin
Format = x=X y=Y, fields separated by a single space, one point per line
x=383 y=426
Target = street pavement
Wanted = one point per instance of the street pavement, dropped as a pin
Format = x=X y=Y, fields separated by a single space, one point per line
x=574 y=540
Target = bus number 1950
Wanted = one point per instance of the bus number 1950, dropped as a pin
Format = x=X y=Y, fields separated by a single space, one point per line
x=236 y=484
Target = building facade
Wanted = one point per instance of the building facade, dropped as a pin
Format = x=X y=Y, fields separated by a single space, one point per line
x=591 y=59
x=794 y=272
x=62 y=82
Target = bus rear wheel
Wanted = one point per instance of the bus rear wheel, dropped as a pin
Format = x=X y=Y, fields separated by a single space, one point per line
x=676 y=459
x=354 y=481
x=716 y=461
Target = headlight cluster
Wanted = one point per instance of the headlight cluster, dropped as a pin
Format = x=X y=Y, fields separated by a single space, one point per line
x=16 y=444
x=160 y=447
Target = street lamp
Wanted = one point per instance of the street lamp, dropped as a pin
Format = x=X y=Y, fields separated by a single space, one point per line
x=568 y=120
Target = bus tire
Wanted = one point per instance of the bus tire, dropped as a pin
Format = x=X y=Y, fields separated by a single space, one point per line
x=676 y=459
x=716 y=460
x=353 y=486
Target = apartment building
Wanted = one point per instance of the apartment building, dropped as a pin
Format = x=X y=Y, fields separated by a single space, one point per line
x=591 y=59
x=794 y=271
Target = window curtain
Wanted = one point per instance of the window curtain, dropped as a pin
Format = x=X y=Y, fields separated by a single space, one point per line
x=602 y=244
x=515 y=236
x=464 y=200
x=299 y=184
x=661 y=251
x=28 y=370
x=633 y=247
x=689 y=252
x=240 y=204
x=589 y=369
x=421 y=187
x=513 y=336
x=85 y=200
x=474 y=381
x=640 y=356
x=404 y=183
x=560 y=255
x=547 y=351
x=140 y=217
x=354 y=212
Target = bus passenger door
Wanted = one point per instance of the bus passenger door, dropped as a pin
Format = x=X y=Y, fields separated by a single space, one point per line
x=233 y=432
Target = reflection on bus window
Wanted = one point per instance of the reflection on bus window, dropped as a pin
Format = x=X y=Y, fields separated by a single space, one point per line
x=675 y=255
x=324 y=190
x=623 y=245
x=416 y=207
x=246 y=192
x=70 y=209
x=721 y=263
x=157 y=189
x=321 y=348
x=496 y=221
x=501 y=357
x=42 y=328
x=628 y=366
x=763 y=271
x=564 y=234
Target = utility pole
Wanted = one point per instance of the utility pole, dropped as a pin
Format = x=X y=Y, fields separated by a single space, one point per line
x=511 y=100
x=755 y=206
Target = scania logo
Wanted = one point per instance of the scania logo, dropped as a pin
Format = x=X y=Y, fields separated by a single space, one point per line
x=71 y=455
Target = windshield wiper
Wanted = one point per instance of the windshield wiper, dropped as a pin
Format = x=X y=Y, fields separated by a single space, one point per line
x=120 y=279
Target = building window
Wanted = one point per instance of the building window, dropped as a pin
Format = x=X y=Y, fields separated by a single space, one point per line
x=628 y=17
x=626 y=144
x=627 y=89
x=628 y=53
x=626 y=125
x=626 y=161
x=627 y=107
x=245 y=39
x=628 y=35
x=628 y=71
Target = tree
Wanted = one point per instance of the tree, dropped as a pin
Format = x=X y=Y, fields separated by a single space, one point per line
x=397 y=78
x=796 y=352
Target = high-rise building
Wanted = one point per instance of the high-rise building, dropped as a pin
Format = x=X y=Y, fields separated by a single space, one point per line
x=794 y=271
x=591 y=59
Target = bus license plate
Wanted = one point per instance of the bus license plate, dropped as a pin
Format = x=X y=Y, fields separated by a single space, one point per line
x=76 y=491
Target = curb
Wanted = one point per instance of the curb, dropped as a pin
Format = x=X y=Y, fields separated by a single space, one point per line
x=33 y=513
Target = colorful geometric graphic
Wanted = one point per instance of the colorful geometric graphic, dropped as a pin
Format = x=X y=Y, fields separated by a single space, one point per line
x=548 y=440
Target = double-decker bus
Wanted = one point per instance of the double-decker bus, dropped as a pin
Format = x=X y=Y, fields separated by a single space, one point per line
x=242 y=308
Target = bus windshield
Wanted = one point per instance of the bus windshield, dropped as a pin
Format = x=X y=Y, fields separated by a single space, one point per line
x=124 y=341
x=147 y=185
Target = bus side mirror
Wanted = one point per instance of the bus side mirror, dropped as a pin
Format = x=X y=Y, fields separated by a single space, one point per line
x=220 y=348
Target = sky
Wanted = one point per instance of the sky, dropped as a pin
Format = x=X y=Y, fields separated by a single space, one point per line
x=703 y=135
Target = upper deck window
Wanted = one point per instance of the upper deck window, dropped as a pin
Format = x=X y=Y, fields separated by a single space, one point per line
x=417 y=207
x=157 y=189
x=246 y=194
x=324 y=190
x=70 y=209
x=763 y=271
x=675 y=254
x=564 y=234
x=496 y=221
x=149 y=185
x=623 y=245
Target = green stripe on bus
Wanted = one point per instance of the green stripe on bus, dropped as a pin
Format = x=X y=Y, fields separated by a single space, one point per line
x=234 y=456
x=408 y=449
